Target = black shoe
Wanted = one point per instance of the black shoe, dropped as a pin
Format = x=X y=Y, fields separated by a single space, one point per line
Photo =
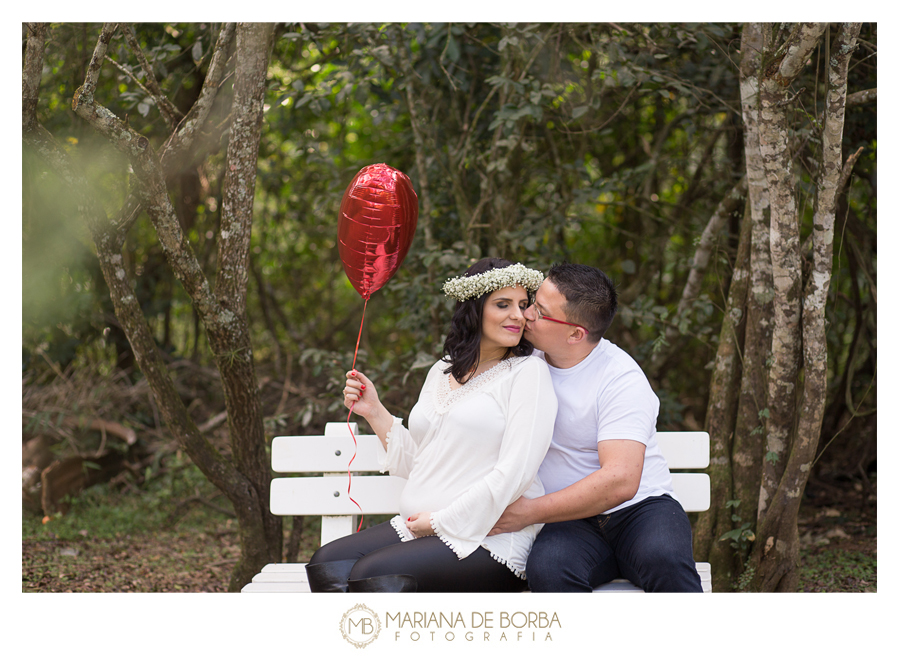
x=329 y=576
x=391 y=583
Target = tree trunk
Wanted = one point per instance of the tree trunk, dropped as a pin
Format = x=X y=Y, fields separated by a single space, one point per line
x=748 y=449
x=244 y=481
x=230 y=339
x=720 y=421
x=781 y=65
x=776 y=555
x=764 y=440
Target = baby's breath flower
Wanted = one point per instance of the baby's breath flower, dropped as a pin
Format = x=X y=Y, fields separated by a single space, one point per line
x=466 y=287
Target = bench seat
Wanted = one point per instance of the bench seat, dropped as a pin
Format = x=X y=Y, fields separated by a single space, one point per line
x=292 y=578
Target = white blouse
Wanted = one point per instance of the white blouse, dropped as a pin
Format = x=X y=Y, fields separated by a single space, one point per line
x=471 y=451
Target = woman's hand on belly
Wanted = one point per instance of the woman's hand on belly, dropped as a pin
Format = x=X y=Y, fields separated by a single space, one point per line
x=420 y=524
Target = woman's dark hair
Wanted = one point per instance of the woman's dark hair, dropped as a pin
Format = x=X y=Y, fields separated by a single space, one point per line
x=462 y=349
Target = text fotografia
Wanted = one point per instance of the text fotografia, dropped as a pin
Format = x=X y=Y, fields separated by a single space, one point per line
x=476 y=627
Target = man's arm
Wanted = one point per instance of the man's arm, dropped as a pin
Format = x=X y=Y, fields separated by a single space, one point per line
x=616 y=482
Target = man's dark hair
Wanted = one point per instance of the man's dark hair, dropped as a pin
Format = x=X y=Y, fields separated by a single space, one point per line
x=591 y=299
x=462 y=349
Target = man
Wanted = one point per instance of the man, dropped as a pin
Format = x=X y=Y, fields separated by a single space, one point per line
x=609 y=507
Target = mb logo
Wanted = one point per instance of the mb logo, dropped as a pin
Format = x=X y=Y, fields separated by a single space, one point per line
x=360 y=625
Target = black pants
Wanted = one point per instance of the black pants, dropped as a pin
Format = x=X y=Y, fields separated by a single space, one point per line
x=436 y=568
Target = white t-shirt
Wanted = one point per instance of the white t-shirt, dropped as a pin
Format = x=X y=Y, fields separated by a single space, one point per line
x=471 y=451
x=606 y=396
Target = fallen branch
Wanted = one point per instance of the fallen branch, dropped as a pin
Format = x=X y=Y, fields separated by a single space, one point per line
x=213 y=422
x=68 y=477
x=97 y=424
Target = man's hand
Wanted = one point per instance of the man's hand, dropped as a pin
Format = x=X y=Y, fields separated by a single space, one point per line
x=514 y=518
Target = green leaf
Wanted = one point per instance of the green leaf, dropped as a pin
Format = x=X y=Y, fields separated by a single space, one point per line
x=731 y=534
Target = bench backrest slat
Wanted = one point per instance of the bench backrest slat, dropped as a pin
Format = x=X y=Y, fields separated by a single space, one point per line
x=692 y=491
x=332 y=452
x=325 y=454
x=380 y=494
x=327 y=496
x=684 y=450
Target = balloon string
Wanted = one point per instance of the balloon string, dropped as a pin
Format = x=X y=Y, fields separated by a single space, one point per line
x=349 y=427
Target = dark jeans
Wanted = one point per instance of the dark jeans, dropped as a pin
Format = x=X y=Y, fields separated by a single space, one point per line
x=649 y=543
x=436 y=568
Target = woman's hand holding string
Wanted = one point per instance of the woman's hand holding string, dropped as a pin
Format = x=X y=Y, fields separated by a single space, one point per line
x=360 y=396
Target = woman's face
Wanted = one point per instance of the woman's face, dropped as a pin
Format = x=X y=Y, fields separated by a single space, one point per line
x=502 y=321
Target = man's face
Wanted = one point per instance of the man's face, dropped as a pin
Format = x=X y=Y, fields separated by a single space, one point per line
x=544 y=334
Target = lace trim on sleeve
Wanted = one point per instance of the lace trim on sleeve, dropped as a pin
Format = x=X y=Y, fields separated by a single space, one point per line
x=505 y=563
x=401 y=529
x=501 y=560
x=390 y=432
x=383 y=453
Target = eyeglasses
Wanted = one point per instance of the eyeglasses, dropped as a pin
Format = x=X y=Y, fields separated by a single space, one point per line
x=541 y=316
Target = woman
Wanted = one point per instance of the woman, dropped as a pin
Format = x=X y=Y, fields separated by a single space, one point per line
x=476 y=438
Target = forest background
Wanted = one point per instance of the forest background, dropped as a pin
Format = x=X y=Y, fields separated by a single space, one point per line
x=634 y=148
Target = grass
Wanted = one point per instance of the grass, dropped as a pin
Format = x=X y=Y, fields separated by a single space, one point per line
x=837 y=570
x=169 y=562
x=158 y=539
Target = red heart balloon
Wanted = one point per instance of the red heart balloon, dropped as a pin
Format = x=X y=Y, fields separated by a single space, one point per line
x=376 y=225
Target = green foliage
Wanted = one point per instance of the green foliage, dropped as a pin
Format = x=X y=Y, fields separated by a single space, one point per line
x=742 y=584
x=740 y=537
x=600 y=144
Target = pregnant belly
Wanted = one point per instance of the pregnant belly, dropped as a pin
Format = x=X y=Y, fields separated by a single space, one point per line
x=424 y=497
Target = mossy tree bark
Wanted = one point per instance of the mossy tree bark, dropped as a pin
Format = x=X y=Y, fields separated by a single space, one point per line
x=794 y=424
x=769 y=387
x=244 y=476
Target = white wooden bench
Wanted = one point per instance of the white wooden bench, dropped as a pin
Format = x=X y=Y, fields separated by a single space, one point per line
x=326 y=495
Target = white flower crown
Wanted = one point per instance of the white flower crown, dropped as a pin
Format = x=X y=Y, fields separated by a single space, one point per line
x=466 y=287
